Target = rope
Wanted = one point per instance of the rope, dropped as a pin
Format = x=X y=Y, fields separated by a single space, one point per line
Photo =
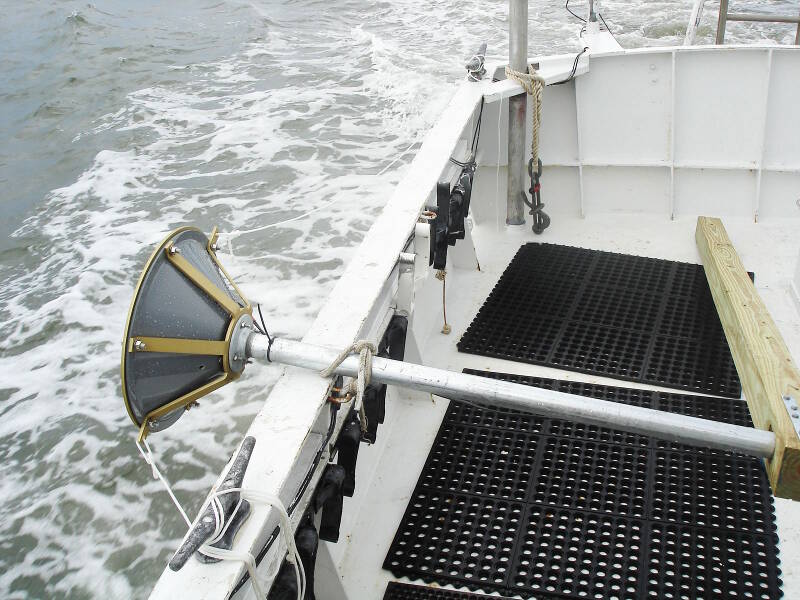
x=475 y=67
x=441 y=276
x=365 y=349
x=147 y=454
x=533 y=84
x=220 y=527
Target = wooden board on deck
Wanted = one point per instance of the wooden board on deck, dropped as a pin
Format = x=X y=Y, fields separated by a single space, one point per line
x=762 y=359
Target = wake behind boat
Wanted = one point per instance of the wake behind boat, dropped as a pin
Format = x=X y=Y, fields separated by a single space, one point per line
x=560 y=365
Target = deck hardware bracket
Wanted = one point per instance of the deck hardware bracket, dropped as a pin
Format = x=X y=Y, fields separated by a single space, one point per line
x=439 y=237
x=794 y=412
x=405 y=282
x=475 y=65
x=329 y=498
x=204 y=526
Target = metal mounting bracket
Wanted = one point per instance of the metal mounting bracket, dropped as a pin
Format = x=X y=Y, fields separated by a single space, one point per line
x=794 y=412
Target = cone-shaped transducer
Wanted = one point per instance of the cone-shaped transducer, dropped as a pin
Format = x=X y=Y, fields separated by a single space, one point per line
x=186 y=330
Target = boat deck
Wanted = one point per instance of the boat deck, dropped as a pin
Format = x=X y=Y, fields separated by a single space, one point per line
x=383 y=489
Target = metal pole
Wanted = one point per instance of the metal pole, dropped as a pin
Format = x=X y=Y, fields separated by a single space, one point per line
x=492 y=393
x=722 y=21
x=517 y=60
x=762 y=18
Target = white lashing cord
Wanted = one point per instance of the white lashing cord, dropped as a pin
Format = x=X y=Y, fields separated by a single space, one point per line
x=220 y=526
x=147 y=454
x=497 y=172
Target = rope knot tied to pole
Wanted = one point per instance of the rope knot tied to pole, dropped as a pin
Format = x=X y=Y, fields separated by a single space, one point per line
x=366 y=350
x=533 y=84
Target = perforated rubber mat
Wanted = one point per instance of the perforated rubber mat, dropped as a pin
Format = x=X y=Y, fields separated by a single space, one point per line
x=404 y=591
x=628 y=317
x=522 y=505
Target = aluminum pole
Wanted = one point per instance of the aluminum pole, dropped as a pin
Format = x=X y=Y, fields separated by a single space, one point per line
x=722 y=21
x=762 y=18
x=492 y=393
x=517 y=60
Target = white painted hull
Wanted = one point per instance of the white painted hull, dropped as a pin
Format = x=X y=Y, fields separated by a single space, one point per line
x=634 y=149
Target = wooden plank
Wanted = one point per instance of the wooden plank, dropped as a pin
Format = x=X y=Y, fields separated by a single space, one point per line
x=762 y=359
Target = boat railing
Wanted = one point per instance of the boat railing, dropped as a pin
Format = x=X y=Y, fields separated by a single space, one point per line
x=725 y=16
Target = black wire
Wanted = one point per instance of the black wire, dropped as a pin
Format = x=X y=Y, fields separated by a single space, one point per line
x=608 y=29
x=265 y=331
x=581 y=19
x=257 y=326
x=574 y=68
x=476 y=134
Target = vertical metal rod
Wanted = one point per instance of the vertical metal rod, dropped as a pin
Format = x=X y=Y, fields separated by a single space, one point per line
x=517 y=60
x=722 y=21
x=797 y=36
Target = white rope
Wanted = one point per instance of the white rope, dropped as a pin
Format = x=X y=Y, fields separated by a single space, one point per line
x=365 y=349
x=497 y=170
x=475 y=68
x=147 y=454
x=532 y=83
x=220 y=527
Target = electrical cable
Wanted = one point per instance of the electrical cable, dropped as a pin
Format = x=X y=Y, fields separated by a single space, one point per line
x=581 y=19
x=608 y=29
x=265 y=331
x=476 y=134
x=574 y=68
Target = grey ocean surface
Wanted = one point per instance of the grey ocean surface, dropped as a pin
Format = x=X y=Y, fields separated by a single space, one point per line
x=120 y=121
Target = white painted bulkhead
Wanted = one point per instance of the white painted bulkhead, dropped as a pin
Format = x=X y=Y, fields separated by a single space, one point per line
x=634 y=148
x=675 y=131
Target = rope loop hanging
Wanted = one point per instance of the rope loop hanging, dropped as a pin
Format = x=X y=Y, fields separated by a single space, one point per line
x=366 y=350
x=533 y=84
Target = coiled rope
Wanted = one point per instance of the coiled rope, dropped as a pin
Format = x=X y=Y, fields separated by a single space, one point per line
x=220 y=527
x=533 y=84
x=365 y=349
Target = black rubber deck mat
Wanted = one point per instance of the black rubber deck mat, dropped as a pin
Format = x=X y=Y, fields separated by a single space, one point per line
x=404 y=591
x=628 y=317
x=521 y=505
